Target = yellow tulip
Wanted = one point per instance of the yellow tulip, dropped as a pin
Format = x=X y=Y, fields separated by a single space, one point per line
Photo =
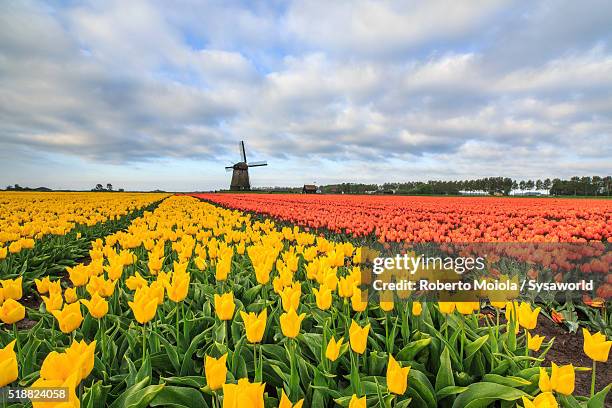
x=285 y=402
x=562 y=379
x=42 y=285
x=244 y=394
x=3 y=252
x=144 y=305
x=215 y=370
x=59 y=367
x=498 y=305
x=386 y=305
x=114 y=269
x=397 y=377
x=224 y=306
x=70 y=295
x=55 y=287
x=323 y=297
x=446 y=307
x=345 y=287
x=544 y=381
x=290 y=297
x=534 y=343
x=528 y=318
x=357 y=402
x=179 y=287
x=69 y=318
x=12 y=288
x=53 y=302
x=358 y=337
x=223 y=268
x=417 y=308
x=595 y=346
x=255 y=325
x=467 y=308
x=158 y=290
x=333 y=349
x=83 y=353
x=69 y=384
x=262 y=272
x=357 y=303
x=544 y=400
x=14 y=247
x=290 y=323
x=135 y=282
x=11 y=311
x=8 y=365
x=155 y=265
x=79 y=275
x=97 y=306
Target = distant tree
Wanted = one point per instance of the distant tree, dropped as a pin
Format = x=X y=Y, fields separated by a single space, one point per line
x=522 y=185
x=529 y=185
x=121 y=190
x=538 y=184
x=109 y=187
x=547 y=184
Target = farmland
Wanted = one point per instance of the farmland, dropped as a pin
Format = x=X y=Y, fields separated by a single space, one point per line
x=257 y=300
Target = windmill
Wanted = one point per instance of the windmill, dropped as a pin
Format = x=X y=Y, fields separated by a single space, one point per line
x=240 y=174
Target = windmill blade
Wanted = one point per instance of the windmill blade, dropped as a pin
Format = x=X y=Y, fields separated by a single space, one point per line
x=228 y=169
x=258 y=164
x=242 y=151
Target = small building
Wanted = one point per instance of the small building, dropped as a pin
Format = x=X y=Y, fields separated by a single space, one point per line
x=309 y=189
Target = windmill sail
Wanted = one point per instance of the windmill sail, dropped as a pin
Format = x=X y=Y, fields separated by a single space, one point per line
x=258 y=163
x=242 y=152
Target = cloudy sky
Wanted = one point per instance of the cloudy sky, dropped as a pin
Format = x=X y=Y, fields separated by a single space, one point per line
x=156 y=94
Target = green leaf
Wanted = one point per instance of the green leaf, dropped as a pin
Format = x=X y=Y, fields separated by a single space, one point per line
x=510 y=381
x=420 y=387
x=599 y=399
x=412 y=349
x=568 y=401
x=178 y=397
x=450 y=390
x=445 y=377
x=482 y=394
x=95 y=397
x=473 y=347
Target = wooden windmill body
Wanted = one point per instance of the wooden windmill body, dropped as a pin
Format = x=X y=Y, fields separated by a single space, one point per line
x=240 y=171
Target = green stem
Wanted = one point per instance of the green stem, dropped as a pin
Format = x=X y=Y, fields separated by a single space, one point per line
x=17 y=341
x=176 y=309
x=143 y=344
x=462 y=338
x=593 y=379
x=255 y=361
x=497 y=325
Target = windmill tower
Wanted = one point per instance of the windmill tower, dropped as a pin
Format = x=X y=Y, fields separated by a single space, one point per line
x=240 y=174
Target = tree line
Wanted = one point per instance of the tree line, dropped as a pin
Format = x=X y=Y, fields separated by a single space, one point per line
x=575 y=186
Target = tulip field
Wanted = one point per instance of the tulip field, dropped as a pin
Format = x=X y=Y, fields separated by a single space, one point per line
x=251 y=300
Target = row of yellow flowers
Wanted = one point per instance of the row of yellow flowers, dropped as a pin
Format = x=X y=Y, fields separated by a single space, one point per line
x=27 y=216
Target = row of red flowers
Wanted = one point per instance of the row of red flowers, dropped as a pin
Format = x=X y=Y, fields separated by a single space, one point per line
x=437 y=219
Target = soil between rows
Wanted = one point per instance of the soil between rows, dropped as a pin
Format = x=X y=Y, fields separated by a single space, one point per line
x=568 y=348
